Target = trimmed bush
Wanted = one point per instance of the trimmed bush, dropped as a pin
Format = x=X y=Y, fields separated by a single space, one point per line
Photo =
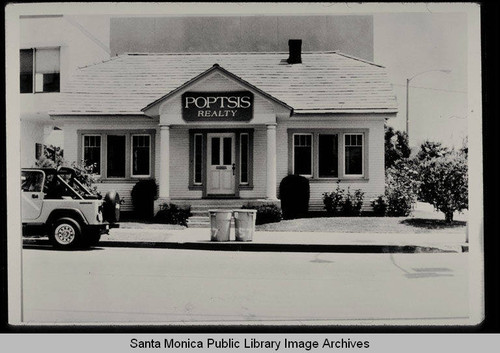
x=379 y=205
x=342 y=202
x=170 y=213
x=294 y=195
x=143 y=195
x=269 y=213
x=444 y=184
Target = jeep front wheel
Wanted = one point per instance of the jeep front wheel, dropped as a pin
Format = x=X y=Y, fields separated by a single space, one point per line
x=66 y=233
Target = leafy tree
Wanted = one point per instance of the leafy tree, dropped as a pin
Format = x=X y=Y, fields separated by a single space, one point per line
x=396 y=146
x=401 y=188
x=431 y=149
x=444 y=183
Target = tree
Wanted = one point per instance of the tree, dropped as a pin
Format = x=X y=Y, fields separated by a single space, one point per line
x=396 y=146
x=401 y=187
x=444 y=183
x=431 y=149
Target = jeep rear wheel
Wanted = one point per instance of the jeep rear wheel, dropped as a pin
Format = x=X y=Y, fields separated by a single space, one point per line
x=66 y=233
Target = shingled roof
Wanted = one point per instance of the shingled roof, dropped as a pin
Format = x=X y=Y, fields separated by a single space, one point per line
x=324 y=82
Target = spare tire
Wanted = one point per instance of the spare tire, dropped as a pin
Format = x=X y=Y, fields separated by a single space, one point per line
x=111 y=207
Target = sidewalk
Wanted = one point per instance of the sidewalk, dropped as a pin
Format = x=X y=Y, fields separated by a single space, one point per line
x=199 y=238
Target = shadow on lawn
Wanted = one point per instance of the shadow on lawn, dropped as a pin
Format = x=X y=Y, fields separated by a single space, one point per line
x=432 y=223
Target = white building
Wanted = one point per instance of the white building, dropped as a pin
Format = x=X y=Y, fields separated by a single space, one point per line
x=51 y=49
x=229 y=125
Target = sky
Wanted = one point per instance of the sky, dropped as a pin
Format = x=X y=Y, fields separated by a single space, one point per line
x=411 y=44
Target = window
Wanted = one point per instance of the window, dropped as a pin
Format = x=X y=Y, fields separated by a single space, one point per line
x=302 y=154
x=328 y=156
x=353 y=154
x=244 y=150
x=116 y=156
x=215 y=151
x=31 y=181
x=92 y=152
x=198 y=158
x=39 y=70
x=141 y=155
x=26 y=77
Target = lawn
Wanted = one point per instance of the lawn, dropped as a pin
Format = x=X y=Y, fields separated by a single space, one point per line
x=423 y=220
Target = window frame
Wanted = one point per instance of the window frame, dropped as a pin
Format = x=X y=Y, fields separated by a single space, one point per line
x=312 y=152
x=128 y=152
x=315 y=131
x=33 y=70
x=246 y=183
x=362 y=154
x=139 y=176
x=193 y=179
x=100 y=151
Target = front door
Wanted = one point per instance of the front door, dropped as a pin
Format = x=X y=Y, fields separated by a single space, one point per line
x=221 y=164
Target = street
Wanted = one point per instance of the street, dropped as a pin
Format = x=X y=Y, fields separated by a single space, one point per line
x=132 y=285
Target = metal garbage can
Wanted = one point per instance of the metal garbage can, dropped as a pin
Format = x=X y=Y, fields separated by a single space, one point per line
x=244 y=221
x=220 y=224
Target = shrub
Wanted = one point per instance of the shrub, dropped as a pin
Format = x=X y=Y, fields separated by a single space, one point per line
x=268 y=213
x=444 y=184
x=345 y=202
x=333 y=200
x=294 y=195
x=401 y=187
x=172 y=214
x=143 y=195
x=352 y=204
x=379 y=205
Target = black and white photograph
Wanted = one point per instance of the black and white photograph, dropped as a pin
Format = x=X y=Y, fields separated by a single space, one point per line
x=244 y=164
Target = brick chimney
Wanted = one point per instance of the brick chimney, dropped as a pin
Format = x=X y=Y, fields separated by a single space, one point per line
x=295 y=51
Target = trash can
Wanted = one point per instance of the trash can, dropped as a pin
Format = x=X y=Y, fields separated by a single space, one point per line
x=244 y=222
x=220 y=224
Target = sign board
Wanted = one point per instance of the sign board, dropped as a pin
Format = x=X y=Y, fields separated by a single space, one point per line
x=217 y=106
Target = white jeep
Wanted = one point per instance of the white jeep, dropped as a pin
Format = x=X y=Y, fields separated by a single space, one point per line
x=56 y=203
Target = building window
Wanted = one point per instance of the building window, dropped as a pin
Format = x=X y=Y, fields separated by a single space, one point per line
x=92 y=153
x=302 y=154
x=141 y=155
x=116 y=156
x=26 y=77
x=198 y=158
x=353 y=144
x=328 y=156
x=40 y=70
x=244 y=150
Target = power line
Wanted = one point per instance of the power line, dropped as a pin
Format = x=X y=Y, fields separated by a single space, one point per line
x=433 y=89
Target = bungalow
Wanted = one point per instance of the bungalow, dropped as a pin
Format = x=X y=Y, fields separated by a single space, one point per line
x=229 y=125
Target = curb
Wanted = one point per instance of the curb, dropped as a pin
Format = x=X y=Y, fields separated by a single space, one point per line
x=264 y=247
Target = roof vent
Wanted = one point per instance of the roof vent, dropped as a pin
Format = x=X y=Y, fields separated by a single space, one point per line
x=295 y=50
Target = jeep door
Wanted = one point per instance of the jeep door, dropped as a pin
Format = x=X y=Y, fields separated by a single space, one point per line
x=32 y=182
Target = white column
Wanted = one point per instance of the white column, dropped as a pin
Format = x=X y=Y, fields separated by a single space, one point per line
x=164 y=182
x=271 y=162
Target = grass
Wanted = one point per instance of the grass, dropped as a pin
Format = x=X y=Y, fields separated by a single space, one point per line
x=364 y=224
x=423 y=220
